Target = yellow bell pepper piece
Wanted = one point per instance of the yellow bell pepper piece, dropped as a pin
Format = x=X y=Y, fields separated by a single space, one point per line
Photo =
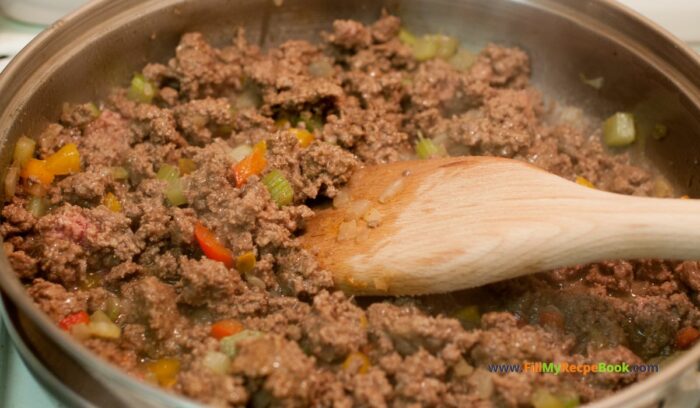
x=245 y=263
x=37 y=170
x=65 y=161
x=303 y=136
x=165 y=371
x=112 y=202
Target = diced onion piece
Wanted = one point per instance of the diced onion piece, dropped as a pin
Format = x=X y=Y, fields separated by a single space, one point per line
x=357 y=362
x=347 y=231
x=619 y=130
x=211 y=246
x=105 y=330
x=229 y=345
x=406 y=37
x=253 y=164
x=245 y=263
x=391 y=191
x=373 y=217
x=255 y=281
x=141 y=89
x=304 y=137
x=280 y=189
x=36 y=171
x=165 y=371
x=24 y=150
x=240 y=152
x=65 y=161
x=341 y=199
x=112 y=202
x=320 y=68
x=427 y=149
x=11 y=179
x=357 y=209
x=225 y=328
x=463 y=60
x=100 y=316
x=119 y=173
x=217 y=362
x=425 y=49
x=37 y=206
x=186 y=166
x=595 y=83
x=584 y=182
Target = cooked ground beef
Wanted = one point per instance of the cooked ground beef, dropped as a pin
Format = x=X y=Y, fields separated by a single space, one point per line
x=112 y=242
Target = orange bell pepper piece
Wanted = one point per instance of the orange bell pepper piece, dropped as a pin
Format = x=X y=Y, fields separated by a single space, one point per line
x=252 y=164
x=211 y=246
x=65 y=161
x=37 y=170
x=225 y=328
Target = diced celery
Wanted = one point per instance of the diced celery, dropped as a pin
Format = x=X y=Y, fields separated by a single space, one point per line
x=94 y=110
x=24 y=150
x=141 y=90
x=280 y=189
x=175 y=193
x=406 y=37
x=168 y=173
x=37 y=206
x=542 y=398
x=426 y=149
x=619 y=130
x=119 y=173
x=446 y=46
x=425 y=48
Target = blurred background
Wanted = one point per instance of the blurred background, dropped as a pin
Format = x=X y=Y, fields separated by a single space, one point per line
x=22 y=20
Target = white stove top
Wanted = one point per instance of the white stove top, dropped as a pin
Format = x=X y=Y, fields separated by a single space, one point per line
x=18 y=389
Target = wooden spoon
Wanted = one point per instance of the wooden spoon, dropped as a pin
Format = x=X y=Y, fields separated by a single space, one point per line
x=455 y=223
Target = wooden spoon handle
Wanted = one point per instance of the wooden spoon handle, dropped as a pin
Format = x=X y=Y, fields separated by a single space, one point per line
x=464 y=227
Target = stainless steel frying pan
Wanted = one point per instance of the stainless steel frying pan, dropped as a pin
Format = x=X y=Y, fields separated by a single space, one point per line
x=80 y=57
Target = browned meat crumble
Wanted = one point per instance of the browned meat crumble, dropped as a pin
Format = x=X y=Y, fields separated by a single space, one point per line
x=366 y=100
